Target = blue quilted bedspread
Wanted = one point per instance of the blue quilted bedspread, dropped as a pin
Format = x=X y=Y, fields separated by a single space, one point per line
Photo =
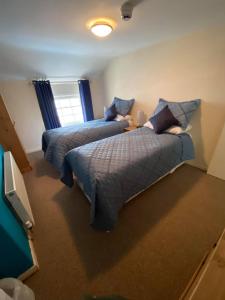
x=114 y=169
x=57 y=142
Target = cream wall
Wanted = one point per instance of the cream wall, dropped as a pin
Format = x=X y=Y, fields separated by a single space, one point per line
x=98 y=95
x=217 y=164
x=183 y=69
x=22 y=104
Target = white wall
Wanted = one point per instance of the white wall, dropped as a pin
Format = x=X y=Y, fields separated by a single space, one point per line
x=183 y=69
x=217 y=164
x=21 y=102
x=98 y=95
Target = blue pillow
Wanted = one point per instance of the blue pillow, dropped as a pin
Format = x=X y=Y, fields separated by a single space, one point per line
x=123 y=107
x=163 y=120
x=110 y=113
x=182 y=111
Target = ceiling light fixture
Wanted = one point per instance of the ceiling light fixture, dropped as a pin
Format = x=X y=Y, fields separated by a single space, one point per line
x=101 y=29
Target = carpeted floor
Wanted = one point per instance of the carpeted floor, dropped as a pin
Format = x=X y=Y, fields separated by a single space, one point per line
x=158 y=243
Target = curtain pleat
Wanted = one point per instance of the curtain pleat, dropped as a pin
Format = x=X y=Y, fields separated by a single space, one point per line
x=47 y=104
x=86 y=100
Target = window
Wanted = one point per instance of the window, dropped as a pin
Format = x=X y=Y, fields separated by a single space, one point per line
x=67 y=101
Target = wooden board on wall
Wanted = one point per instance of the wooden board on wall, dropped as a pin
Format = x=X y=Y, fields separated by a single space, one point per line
x=10 y=141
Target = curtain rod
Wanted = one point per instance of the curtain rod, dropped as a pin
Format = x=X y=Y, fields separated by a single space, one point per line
x=61 y=79
x=66 y=78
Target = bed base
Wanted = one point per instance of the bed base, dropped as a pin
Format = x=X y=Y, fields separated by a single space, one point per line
x=168 y=173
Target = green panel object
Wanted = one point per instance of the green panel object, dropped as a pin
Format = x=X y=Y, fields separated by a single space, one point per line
x=15 y=253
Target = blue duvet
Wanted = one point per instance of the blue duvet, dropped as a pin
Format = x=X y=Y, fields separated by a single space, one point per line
x=114 y=169
x=57 y=142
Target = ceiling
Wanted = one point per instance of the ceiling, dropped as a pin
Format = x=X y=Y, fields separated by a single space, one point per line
x=50 y=37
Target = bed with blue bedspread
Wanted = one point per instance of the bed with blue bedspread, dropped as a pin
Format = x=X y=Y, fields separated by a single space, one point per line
x=57 y=142
x=113 y=170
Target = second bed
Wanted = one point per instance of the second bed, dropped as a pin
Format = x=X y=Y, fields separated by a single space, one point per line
x=57 y=142
x=115 y=169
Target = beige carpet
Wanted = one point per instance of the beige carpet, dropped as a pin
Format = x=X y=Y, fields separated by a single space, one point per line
x=159 y=240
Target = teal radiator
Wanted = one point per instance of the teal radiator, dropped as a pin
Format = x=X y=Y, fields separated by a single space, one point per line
x=15 y=253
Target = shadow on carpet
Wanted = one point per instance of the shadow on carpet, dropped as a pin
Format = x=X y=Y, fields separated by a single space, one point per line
x=100 y=251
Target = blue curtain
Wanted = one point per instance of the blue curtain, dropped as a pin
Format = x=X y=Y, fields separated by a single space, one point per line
x=86 y=101
x=47 y=104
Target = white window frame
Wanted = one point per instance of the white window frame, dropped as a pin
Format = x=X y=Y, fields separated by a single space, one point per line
x=68 y=106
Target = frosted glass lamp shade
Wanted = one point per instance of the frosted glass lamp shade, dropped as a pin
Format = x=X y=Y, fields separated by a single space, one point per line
x=140 y=118
x=101 y=30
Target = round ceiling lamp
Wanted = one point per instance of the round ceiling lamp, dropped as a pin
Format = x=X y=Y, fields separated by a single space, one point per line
x=101 y=29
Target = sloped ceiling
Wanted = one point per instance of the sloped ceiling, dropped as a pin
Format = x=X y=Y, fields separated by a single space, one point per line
x=50 y=37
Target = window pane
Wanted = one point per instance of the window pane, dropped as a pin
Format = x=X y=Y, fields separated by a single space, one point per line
x=75 y=101
x=67 y=101
x=66 y=111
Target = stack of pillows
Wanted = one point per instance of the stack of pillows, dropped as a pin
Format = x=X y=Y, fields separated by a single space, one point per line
x=119 y=110
x=172 y=117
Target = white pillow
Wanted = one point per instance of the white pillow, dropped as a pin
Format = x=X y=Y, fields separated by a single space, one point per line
x=148 y=124
x=119 y=118
x=122 y=118
x=172 y=129
x=178 y=129
x=128 y=118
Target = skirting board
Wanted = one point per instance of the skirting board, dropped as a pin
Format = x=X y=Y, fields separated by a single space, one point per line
x=29 y=151
x=35 y=266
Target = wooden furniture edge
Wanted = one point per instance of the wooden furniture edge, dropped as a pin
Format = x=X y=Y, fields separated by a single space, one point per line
x=27 y=169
